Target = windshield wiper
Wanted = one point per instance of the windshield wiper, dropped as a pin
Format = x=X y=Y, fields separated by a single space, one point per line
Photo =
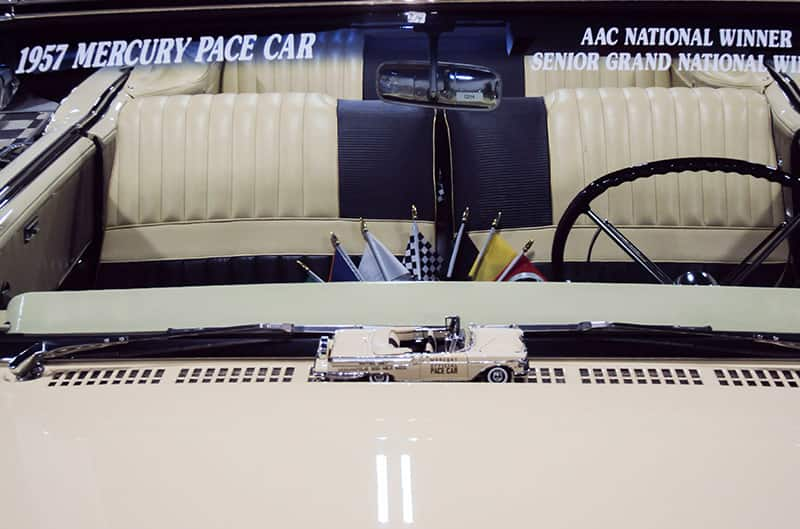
x=603 y=338
x=29 y=364
x=595 y=339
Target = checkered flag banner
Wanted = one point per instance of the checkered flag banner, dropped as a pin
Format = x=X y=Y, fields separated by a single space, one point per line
x=421 y=258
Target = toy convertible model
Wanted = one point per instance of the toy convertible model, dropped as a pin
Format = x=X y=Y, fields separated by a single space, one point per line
x=381 y=354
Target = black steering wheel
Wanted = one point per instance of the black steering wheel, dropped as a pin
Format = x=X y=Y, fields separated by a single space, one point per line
x=581 y=205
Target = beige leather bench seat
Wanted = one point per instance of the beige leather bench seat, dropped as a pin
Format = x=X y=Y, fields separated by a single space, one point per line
x=201 y=180
x=677 y=218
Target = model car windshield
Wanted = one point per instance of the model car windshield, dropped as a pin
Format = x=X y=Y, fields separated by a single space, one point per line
x=458 y=143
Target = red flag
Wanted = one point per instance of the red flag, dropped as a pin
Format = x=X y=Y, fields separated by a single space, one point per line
x=521 y=270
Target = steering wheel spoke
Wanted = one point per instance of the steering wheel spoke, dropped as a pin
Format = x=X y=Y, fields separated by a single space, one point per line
x=629 y=248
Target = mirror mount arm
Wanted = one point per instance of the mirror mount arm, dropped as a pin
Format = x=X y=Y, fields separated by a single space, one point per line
x=433 y=53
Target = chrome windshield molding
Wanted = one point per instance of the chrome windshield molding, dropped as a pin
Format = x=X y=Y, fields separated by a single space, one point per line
x=31 y=171
x=241 y=6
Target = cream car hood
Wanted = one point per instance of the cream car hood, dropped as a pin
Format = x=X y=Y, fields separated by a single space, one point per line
x=352 y=455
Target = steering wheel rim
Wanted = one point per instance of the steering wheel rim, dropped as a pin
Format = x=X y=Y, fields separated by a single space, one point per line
x=580 y=204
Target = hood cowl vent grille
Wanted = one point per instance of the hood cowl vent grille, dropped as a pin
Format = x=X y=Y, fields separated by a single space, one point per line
x=234 y=375
x=182 y=375
x=104 y=377
x=546 y=375
x=760 y=377
x=653 y=376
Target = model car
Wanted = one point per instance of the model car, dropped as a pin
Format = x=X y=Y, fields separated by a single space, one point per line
x=382 y=354
x=208 y=207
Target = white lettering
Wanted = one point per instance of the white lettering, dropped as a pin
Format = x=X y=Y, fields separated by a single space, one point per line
x=130 y=58
x=163 y=56
x=84 y=55
x=304 y=49
x=181 y=43
x=249 y=42
x=230 y=55
x=287 y=51
x=117 y=55
x=101 y=54
x=275 y=38
x=204 y=46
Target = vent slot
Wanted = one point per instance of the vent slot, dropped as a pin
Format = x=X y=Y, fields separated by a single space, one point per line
x=640 y=375
x=760 y=377
x=546 y=375
x=234 y=375
x=104 y=377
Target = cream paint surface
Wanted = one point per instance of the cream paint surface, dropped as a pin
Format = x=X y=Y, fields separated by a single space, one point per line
x=356 y=455
x=724 y=308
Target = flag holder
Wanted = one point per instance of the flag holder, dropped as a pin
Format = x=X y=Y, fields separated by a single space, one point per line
x=482 y=253
x=310 y=272
x=457 y=243
x=510 y=266
x=417 y=249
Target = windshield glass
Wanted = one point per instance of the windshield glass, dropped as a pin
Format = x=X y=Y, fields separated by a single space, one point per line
x=518 y=142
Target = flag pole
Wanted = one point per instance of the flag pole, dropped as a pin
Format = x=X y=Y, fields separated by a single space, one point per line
x=310 y=272
x=495 y=223
x=514 y=261
x=417 y=258
x=365 y=234
x=457 y=243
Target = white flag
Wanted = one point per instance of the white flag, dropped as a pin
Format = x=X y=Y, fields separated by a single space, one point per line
x=378 y=263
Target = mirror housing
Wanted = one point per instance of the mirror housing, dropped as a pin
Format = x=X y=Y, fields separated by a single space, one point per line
x=459 y=86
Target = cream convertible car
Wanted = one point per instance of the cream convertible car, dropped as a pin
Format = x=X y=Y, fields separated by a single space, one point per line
x=160 y=345
x=383 y=354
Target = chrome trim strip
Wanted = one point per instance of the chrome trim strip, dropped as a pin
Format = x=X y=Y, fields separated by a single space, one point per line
x=67 y=139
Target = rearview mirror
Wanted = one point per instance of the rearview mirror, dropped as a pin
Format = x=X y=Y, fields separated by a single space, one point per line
x=458 y=86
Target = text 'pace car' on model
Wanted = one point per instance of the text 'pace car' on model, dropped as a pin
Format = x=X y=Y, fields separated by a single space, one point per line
x=381 y=354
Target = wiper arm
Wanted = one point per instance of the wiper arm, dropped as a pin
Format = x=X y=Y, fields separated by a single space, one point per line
x=29 y=364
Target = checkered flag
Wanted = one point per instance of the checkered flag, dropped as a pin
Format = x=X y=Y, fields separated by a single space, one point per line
x=421 y=258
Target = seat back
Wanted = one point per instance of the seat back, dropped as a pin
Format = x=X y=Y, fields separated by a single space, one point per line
x=701 y=217
x=336 y=69
x=232 y=188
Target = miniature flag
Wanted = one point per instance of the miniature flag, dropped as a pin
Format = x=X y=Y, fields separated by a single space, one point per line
x=378 y=263
x=342 y=267
x=497 y=255
x=521 y=268
x=421 y=259
x=464 y=254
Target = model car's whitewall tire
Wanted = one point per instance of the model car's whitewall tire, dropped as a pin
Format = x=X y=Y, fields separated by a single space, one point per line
x=498 y=375
x=379 y=377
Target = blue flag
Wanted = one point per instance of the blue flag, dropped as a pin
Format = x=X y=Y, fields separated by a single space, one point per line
x=342 y=267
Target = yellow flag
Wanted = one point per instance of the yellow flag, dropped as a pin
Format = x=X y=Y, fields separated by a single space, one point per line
x=497 y=256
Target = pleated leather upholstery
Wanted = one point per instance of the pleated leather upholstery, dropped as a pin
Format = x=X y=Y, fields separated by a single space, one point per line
x=336 y=69
x=595 y=132
x=540 y=83
x=226 y=156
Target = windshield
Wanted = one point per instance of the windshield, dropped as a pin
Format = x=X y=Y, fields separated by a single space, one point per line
x=461 y=142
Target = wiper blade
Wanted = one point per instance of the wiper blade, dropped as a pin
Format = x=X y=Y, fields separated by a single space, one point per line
x=702 y=339
x=29 y=364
